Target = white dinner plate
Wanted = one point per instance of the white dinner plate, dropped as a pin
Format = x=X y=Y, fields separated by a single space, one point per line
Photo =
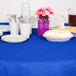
x=4 y=28
x=13 y=38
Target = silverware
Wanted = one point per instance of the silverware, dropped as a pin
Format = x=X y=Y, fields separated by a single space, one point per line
x=12 y=18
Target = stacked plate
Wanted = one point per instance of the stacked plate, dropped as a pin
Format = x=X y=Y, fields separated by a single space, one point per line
x=4 y=28
x=58 y=35
x=67 y=28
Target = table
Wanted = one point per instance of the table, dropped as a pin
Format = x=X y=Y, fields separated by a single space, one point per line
x=38 y=57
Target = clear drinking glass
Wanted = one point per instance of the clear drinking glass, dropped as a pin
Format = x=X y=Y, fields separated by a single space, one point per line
x=26 y=11
x=72 y=17
x=25 y=27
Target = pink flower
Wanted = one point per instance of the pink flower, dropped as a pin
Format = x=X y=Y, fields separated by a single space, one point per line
x=50 y=10
x=40 y=11
x=43 y=11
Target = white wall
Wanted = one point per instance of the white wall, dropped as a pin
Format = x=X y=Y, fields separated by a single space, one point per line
x=14 y=6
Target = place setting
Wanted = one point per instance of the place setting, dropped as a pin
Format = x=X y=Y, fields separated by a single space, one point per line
x=19 y=30
x=19 y=27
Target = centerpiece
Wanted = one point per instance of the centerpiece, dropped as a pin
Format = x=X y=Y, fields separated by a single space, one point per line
x=43 y=19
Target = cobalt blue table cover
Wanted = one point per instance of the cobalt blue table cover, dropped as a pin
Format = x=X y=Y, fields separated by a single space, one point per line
x=38 y=57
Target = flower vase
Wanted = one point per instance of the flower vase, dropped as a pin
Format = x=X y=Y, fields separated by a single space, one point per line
x=43 y=24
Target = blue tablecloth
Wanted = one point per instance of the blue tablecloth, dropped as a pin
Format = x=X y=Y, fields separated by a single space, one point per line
x=38 y=57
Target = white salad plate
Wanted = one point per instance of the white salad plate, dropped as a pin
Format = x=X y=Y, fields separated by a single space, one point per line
x=4 y=28
x=13 y=38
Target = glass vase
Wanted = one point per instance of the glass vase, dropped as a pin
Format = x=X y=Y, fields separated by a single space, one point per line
x=43 y=24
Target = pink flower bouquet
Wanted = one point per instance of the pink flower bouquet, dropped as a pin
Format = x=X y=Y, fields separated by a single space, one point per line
x=45 y=11
x=43 y=19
